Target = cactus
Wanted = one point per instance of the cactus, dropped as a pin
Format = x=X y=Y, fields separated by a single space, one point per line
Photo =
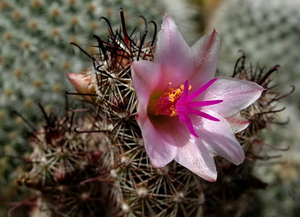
x=268 y=32
x=35 y=55
x=92 y=162
x=61 y=160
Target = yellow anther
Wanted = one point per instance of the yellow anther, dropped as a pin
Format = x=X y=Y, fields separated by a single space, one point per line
x=166 y=104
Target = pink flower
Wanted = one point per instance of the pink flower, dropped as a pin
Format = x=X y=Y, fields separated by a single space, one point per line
x=183 y=111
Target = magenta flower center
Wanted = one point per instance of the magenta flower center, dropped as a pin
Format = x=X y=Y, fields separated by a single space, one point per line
x=166 y=103
x=178 y=102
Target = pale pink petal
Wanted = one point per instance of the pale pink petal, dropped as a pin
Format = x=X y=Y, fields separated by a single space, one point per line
x=83 y=84
x=237 y=122
x=197 y=159
x=206 y=52
x=80 y=81
x=159 y=144
x=173 y=53
x=218 y=137
x=236 y=95
x=146 y=78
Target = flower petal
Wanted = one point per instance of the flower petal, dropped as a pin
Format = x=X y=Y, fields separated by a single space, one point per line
x=146 y=78
x=206 y=52
x=237 y=122
x=197 y=159
x=174 y=53
x=236 y=95
x=80 y=81
x=83 y=82
x=159 y=145
x=218 y=138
